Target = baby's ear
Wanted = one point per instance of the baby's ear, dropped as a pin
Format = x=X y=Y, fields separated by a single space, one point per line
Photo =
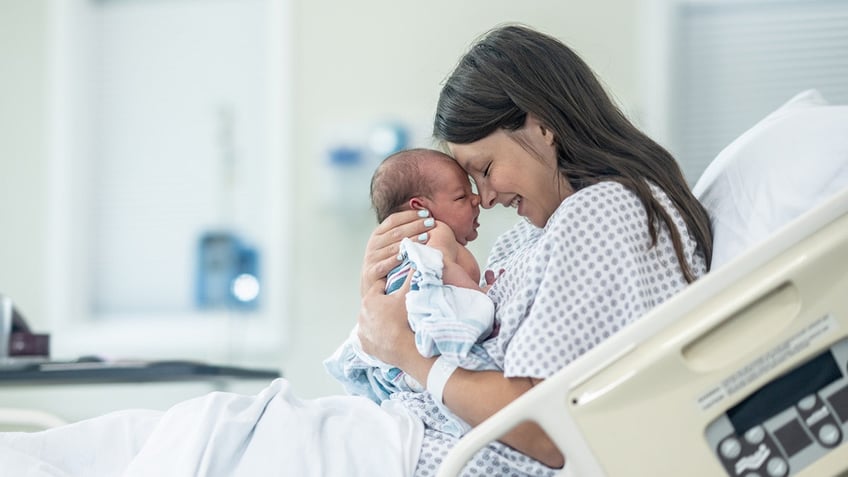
x=417 y=203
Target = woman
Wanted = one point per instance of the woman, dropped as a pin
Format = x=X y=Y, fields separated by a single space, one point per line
x=611 y=230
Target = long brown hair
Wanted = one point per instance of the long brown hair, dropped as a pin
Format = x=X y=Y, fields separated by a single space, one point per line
x=514 y=70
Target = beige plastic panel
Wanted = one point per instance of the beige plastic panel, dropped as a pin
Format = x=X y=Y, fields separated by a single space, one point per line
x=645 y=414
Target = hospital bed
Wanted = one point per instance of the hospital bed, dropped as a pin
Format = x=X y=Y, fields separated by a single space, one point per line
x=744 y=373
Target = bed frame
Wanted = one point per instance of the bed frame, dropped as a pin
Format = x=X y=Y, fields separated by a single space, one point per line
x=744 y=371
x=28 y=419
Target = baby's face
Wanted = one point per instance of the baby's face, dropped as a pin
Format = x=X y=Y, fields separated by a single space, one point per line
x=454 y=201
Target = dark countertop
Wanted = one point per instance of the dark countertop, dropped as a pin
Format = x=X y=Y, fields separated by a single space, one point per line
x=93 y=372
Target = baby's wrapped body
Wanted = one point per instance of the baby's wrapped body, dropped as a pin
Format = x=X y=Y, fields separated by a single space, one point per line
x=447 y=320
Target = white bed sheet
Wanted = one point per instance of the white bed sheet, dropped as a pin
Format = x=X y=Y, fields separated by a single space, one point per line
x=227 y=434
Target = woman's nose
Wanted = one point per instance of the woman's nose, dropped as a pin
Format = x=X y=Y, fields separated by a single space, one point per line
x=486 y=197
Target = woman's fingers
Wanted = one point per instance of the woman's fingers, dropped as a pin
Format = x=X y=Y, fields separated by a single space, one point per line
x=377 y=263
x=384 y=242
x=381 y=252
x=409 y=223
x=404 y=217
x=376 y=270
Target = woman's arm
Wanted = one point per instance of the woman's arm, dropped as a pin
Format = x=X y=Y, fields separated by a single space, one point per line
x=472 y=395
x=477 y=395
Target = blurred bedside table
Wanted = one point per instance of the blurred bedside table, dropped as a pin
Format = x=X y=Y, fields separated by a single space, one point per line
x=76 y=390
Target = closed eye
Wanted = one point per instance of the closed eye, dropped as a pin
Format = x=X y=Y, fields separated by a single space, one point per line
x=486 y=171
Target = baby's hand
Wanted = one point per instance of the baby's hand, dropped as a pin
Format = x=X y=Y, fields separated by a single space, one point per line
x=490 y=277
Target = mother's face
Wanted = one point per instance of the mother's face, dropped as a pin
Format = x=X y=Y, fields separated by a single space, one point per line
x=516 y=169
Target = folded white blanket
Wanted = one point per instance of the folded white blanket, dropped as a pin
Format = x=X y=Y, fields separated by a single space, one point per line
x=227 y=434
x=447 y=320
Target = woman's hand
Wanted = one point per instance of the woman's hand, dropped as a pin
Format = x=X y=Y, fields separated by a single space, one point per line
x=383 y=246
x=383 y=326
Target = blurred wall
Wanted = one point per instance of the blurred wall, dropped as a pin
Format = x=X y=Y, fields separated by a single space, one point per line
x=23 y=151
x=354 y=62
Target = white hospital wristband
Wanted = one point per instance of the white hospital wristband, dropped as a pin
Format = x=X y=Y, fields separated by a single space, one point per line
x=440 y=372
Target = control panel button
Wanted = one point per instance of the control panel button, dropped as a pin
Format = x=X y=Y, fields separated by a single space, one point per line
x=776 y=467
x=730 y=448
x=807 y=403
x=829 y=434
x=755 y=435
x=839 y=402
x=793 y=437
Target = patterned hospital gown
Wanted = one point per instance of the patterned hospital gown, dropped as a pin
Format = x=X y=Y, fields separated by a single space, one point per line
x=566 y=288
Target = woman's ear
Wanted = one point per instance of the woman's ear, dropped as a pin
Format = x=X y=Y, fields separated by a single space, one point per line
x=535 y=126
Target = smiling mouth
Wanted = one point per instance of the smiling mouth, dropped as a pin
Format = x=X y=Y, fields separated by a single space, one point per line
x=515 y=202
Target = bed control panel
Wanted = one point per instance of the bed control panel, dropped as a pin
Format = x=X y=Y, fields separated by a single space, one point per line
x=789 y=423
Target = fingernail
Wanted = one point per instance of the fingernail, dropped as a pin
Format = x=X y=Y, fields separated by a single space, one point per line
x=430 y=222
x=423 y=213
x=400 y=257
x=422 y=237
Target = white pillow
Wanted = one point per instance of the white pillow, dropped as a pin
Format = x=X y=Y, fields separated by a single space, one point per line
x=792 y=159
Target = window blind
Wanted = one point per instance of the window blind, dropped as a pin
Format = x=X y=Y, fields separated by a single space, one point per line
x=734 y=62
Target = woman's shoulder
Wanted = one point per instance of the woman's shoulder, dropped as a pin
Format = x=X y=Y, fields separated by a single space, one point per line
x=605 y=192
x=594 y=202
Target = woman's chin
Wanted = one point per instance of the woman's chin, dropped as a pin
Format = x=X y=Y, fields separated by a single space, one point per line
x=536 y=221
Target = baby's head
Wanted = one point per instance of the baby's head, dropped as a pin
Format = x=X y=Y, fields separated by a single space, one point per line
x=427 y=179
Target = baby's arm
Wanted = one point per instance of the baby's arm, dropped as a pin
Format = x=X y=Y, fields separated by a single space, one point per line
x=455 y=275
x=442 y=238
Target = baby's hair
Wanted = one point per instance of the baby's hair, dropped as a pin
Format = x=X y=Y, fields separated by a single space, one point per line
x=399 y=178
